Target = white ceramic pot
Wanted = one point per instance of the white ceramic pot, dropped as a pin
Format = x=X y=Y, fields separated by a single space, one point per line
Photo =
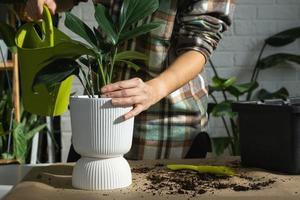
x=101 y=137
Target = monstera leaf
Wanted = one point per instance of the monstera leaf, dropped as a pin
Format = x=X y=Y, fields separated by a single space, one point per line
x=56 y=72
x=276 y=59
x=282 y=93
x=284 y=38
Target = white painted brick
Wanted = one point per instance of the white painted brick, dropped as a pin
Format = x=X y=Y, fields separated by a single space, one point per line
x=284 y=24
x=255 y=27
x=255 y=2
x=245 y=59
x=245 y=12
x=88 y=12
x=66 y=143
x=278 y=12
x=239 y=43
x=223 y=59
x=287 y=2
x=66 y=124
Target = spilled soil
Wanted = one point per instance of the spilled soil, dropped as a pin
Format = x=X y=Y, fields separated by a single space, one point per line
x=160 y=180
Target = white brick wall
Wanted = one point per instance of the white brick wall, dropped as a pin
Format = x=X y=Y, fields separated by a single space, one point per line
x=254 y=20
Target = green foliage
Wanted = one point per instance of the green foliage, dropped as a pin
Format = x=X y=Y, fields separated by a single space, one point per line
x=7 y=33
x=105 y=42
x=56 y=72
x=223 y=109
x=21 y=133
x=278 y=59
x=229 y=88
x=284 y=38
x=282 y=93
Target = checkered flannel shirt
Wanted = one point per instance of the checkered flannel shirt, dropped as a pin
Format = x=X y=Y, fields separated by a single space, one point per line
x=167 y=129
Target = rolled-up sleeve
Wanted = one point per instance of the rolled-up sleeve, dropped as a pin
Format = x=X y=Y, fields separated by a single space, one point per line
x=200 y=24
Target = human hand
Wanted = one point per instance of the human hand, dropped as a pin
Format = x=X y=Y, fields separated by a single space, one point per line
x=134 y=92
x=34 y=8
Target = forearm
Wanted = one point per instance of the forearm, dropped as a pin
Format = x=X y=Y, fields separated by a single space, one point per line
x=181 y=71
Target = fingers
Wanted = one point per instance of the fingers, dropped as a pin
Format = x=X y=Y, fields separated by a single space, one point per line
x=51 y=5
x=130 y=101
x=123 y=93
x=34 y=9
x=134 y=112
x=135 y=82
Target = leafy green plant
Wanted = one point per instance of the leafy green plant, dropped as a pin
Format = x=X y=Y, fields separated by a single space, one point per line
x=15 y=137
x=103 y=51
x=233 y=92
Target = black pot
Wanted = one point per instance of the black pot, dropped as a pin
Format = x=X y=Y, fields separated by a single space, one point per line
x=270 y=134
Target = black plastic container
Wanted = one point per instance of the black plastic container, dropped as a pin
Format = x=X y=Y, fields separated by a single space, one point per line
x=270 y=134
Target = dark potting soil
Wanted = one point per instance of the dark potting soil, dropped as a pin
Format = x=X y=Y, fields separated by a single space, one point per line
x=161 y=180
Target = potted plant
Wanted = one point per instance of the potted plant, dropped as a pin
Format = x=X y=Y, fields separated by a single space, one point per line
x=99 y=133
x=262 y=125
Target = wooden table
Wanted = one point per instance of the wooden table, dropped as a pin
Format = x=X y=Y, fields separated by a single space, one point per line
x=54 y=182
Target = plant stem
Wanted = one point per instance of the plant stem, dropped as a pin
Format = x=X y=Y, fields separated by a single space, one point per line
x=90 y=72
x=255 y=70
x=81 y=81
x=217 y=75
x=89 y=87
x=213 y=67
x=225 y=125
x=112 y=64
x=100 y=66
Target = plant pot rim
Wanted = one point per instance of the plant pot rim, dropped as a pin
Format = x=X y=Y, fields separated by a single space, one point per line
x=88 y=98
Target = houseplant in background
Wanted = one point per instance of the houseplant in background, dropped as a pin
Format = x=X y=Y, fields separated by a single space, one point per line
x=15 y=136
x=99 y=133
x=234 y=93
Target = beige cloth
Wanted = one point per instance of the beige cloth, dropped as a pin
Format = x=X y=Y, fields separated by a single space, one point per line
x=54 y=182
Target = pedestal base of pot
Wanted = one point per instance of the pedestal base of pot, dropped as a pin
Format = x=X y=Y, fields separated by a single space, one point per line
x=101 y=174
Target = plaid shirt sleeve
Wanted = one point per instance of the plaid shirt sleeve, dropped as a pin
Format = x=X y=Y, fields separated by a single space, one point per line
x=200 y=24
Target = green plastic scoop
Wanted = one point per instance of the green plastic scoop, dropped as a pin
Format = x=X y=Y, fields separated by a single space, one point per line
x=36 y=46
x=218 y=170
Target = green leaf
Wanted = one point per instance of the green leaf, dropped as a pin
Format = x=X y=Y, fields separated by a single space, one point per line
x=223 y=109
x=130 y=55
x=277 y=59
x=20 y=143
x=32 y=132
x=7 y=156
x=2 y=132
x=105 y=23
x=140 y=30
x=219 y=83
x=284 y=38
x=71 y=49
x=80 y=28
x=229 y=82
x=103 y=45
x=56 y=72
x=220 y=144
x=131 y=65
x=282 y=93
x=134 y=10
x=8 y=33
x=240 y=89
